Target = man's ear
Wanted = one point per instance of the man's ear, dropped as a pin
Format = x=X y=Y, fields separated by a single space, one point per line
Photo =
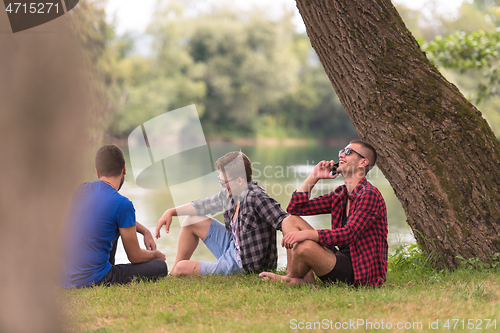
x=124 y=169
x=97 y=173
x=364 y=163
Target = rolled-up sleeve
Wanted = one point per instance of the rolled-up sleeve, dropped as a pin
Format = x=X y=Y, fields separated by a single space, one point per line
x=301 y=205
x=210 y=205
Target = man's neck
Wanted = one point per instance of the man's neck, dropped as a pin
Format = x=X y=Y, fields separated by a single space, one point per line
x=351 y=183
x=113 y=181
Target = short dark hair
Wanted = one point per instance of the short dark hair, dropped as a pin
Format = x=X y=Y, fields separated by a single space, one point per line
x=373 y=158
x=225 y=165
x=109 y=161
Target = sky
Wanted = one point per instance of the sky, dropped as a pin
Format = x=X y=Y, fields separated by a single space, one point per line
x=134 y=15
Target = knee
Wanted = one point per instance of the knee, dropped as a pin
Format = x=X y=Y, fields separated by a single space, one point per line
x=160 y=266
x=192 y=221
x=291 y=223
x=288 y=223
x=183 y=268
x=305 y=248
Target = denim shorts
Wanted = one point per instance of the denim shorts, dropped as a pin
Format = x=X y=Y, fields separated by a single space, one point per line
x=221 y=243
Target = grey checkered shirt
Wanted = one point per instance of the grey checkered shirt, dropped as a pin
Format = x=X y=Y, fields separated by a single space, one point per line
x=259 y=217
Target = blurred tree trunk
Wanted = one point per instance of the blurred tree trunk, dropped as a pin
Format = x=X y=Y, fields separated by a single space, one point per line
x=435 y=148
x=43 y=105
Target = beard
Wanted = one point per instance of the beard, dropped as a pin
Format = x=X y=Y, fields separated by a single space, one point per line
x=121 y=182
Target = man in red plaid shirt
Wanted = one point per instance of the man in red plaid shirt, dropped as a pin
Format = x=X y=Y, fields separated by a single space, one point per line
x=359 y=226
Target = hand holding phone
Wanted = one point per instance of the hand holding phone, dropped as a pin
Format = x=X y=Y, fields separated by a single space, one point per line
x=334 y=169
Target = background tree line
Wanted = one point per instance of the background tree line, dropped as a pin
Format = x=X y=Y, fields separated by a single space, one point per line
x=251 y=75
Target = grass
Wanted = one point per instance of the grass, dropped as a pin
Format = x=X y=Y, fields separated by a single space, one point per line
x=415 y=295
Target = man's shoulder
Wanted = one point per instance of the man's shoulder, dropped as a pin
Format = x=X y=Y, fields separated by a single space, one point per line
x=254 y=187
x=365 y=188
x=255 y=191
x=373 y=188
x=101 y=192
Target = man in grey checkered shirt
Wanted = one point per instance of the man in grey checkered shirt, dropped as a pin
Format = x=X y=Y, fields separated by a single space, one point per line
x=246 y=242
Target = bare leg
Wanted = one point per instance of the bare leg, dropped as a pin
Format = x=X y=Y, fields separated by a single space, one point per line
x=193 y=229
x=293 y=223
x=304 y=258
x=307 y=279
x=307 y=256
x=288 y=260
x=186 y=268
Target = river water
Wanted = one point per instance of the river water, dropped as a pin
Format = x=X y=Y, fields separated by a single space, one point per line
x=280 y=170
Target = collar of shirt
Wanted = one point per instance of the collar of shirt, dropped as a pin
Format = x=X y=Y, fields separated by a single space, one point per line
x=243 y=194
x=359 y=189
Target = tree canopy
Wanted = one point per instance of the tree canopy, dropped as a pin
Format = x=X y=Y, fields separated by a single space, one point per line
x=247 y=73
x=256 y=76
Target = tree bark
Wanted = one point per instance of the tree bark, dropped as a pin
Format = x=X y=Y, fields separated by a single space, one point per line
x=436 y=150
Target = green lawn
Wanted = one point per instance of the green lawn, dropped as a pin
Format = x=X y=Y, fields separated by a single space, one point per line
x=414 y=297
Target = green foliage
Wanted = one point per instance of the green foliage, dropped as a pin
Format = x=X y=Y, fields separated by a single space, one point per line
x=409 y=256
x=478 y=51
x=489 y=263
x=247 y=73
x=312 y=109
x=247 y=65
x=95 y=33
x=252 y=75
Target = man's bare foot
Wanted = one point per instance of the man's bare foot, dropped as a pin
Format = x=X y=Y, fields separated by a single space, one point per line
x=307 y=279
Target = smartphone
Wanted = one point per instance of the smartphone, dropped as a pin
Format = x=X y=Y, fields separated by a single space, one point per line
x=334 y=169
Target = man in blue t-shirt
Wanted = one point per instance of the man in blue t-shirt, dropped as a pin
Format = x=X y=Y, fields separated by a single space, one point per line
x=97 y=216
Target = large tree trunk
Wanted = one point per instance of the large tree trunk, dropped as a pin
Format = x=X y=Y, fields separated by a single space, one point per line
x=436 y=150
x=43 y=101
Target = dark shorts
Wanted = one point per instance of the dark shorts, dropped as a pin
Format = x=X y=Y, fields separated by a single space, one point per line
x=125 y=273
x=342 y=271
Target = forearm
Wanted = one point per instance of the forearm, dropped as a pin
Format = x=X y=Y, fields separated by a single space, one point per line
x=148 y=237
x=142 y=255
x=131 y=245
x=141 y=229
x=187 y=209
x=311 y=235
x=308 y=184
x=321 y=171
x=294 y=237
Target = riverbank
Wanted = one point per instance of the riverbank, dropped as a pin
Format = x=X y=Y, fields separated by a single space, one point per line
x=257 y=141
x=415 y=298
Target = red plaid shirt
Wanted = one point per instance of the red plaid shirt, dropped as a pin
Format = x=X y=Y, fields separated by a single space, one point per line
x=365 y=230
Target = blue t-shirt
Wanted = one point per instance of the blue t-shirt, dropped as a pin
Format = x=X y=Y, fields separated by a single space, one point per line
x=96 y=213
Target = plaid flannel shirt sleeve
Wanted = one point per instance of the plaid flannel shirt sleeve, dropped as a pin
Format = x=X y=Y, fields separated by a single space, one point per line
x=301 y=205
x=269 y=210
x=367 y=211
x=210 y=205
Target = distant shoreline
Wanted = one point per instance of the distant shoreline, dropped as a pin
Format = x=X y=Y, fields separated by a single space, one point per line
x=271 y=142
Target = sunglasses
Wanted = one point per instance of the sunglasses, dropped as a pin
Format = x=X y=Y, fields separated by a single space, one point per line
x=348 y=152
x=222 y=182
